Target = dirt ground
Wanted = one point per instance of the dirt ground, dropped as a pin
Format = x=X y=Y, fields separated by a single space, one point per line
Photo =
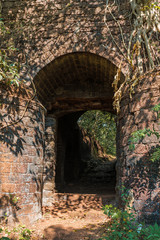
x=76 y=225
x=77 y=215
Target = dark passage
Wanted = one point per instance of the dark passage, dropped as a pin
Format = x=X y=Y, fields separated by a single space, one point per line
x=78 y=170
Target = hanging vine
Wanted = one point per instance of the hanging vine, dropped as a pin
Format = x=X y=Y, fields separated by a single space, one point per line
x=142 y=51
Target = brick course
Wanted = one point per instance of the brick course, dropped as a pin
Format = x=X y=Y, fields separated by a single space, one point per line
x=17 y=151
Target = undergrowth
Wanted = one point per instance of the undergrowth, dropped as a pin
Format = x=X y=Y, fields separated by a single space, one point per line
x=17 y=233
x=123 y=224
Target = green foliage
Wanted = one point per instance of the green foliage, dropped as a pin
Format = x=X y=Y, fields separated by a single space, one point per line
x=139 y=135
x=9 y=68
x=123 y=223
x=13 y=198
x=5 y=238
x=151 y=232
x=152 y=5
x=155 y=155
x=156 y=108
x=132 y=231
x=19 y=233
x=24 y=233
x=100 y=126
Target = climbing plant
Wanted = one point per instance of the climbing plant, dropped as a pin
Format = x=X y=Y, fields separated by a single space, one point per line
x=138 y=136
x=141 y=52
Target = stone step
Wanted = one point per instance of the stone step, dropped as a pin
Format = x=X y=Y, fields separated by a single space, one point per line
x=82 y=200
x=69 y=202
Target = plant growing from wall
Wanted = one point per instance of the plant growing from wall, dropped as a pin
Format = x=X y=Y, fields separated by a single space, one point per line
x=10 y=65
x=139 y=135
x=10 y=78
x=141 y=53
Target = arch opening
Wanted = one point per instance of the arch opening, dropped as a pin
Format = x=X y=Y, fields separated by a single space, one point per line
x=76 y=82
x=69 y=86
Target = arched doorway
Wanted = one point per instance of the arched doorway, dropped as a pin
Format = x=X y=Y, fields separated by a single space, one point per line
x=69 y=86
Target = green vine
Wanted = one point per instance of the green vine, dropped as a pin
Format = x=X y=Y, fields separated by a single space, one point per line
x=138 y=136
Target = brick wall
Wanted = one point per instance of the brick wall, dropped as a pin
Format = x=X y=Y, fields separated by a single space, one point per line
x=54 y=28
x=134 y=169
x=21 y=156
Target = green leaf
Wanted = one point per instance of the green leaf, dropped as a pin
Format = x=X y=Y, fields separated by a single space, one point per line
x=4 y=238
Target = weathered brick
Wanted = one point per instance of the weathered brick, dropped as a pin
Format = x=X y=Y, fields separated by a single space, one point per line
x=147 y=115
x=141 y=149
x=8 y=187
x=32 y=188
x=20 y=168
x=6 y=167
x=7 y=157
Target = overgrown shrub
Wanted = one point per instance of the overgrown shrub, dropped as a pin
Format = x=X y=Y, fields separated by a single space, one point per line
x=123 y=224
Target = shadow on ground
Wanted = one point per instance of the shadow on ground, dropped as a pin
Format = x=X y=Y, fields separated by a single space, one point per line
x=89 y=232
x=82 y=198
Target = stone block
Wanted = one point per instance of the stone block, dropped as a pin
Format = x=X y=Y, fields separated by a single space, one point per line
x=141 y=149
x=8 y=187
x=6 y=167
x=145 y=115
x=20 y=168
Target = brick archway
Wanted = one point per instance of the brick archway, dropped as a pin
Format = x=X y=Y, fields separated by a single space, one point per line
x=70 y=84
x=76 y=81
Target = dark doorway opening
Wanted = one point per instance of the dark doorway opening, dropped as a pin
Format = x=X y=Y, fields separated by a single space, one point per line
x=83 y=166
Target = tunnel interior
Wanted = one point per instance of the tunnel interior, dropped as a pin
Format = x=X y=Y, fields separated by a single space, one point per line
x=77 y=169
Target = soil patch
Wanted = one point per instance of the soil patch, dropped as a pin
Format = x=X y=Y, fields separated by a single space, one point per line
x=72 y=225
x=76 y=214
